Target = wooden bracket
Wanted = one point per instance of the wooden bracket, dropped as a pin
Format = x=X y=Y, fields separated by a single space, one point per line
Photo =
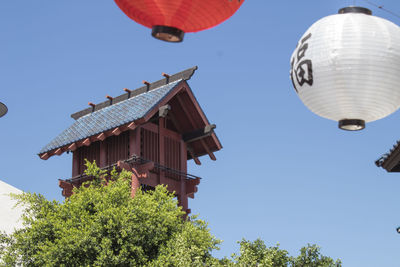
x=67 y=187
x=191 y=186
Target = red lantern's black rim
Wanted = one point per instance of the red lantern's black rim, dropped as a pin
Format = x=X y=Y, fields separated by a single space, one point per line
x=355 y=9
x=168 y=34
x=351 y=124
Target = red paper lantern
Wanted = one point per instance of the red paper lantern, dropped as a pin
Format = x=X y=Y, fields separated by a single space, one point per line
x=170 y=19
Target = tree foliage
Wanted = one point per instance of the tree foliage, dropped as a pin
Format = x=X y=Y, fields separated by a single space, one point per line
x=256 y=253
x=101 y=225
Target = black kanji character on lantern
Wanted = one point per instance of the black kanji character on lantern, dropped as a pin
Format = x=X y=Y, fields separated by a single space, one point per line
x=303 y=69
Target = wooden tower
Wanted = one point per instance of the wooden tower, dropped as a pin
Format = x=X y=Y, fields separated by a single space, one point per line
x=151 y=131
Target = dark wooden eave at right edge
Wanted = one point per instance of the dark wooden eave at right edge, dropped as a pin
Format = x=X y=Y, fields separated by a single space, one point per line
x=391 y=160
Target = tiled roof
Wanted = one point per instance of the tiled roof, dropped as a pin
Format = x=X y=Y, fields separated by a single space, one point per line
x=112 y=116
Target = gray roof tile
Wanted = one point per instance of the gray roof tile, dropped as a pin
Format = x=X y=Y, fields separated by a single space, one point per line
x=110 y=117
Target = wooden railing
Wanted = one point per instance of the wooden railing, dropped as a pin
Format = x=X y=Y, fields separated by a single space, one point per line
x=136 y=160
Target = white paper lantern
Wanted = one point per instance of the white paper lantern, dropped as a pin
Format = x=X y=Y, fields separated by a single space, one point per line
x=346 y=67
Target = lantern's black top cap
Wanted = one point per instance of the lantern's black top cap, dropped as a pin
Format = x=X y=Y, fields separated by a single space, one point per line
x=355 y=9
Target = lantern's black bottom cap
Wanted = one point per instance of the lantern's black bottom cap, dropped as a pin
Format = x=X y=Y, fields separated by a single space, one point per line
x=168 y=34
x=351 y=124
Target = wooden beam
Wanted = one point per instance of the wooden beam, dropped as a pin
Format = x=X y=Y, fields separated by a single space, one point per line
x=161 y=145
x=210 y=154
x=179 y=128
x=101 y=137
x=179 y=87
x=86 y=142
x=193 y=123
x=123 y=165
x=183 y=198
x=103 y=155
x=44 y=156
x=75 y=164
x=199 y=133
x=58 y=152
x=202 y=115
x=131 y=126
x=116 y=131
x=196 y=159
x=134 y=142
x=186 y=111
x=72 y=147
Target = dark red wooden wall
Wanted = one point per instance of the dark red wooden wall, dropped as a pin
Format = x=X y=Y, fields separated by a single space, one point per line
x=118 y=148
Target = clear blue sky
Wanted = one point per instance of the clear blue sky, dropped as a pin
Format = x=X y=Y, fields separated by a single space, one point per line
x=284 y=175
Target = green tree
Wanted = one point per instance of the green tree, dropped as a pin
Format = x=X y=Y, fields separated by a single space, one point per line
x=311 y=256
x=256 y=253
x=103 y=226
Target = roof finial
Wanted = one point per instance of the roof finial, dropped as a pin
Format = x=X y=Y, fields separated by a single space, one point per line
x=92 y=105
x=110 y=98
x=166 y=76
x=128 y=91
x=147 y=84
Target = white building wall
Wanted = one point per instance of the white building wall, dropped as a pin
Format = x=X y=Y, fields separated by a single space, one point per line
x=9 y=215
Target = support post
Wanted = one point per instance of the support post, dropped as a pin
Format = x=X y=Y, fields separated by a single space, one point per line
x=103 y=154
x=183 y=198
x=138 y=172
x=134 y=142
x=75 y=163
x=161 y=148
